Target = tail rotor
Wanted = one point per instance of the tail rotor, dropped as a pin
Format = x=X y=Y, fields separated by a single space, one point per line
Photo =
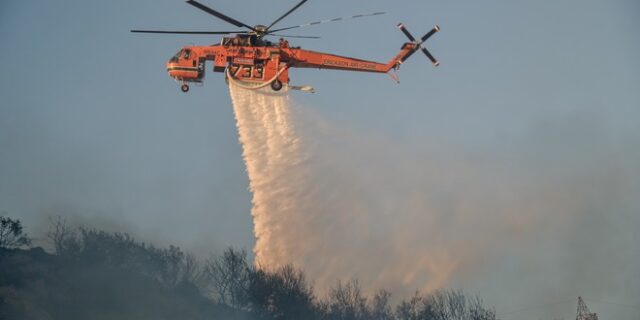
x=420 y=42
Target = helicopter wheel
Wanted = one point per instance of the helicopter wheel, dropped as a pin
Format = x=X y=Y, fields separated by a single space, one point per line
x=184 y=88
x=276 y=85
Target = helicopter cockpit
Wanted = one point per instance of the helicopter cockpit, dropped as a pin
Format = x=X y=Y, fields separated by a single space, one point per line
x=185 y=66
x=244 y=40
x=183 y=53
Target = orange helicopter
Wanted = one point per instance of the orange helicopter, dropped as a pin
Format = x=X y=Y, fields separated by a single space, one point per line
x=251 y=60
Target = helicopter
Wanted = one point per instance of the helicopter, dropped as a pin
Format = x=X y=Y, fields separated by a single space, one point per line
x=254 y=62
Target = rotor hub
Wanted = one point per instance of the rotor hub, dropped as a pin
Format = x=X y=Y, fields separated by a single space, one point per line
x=261 y=28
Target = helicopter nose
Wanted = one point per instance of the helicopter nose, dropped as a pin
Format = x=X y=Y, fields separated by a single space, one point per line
x=184 y=70
x=172 y=69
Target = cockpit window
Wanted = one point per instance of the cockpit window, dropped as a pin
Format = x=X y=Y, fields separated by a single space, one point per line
x=187 y=54
x=176 y=56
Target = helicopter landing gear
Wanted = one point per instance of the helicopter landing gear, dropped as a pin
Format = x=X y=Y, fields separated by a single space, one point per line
x=184 y=88
x=276 y=85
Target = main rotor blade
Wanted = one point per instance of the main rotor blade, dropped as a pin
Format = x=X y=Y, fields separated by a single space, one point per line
x=428 y=54
x=286 y=14
x=286 y=36
x=329 y=20
x=185 y=32
x=218 y=14
x=429 y=34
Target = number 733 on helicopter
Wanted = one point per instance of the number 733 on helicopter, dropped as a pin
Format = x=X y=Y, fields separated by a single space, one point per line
x=249 y=59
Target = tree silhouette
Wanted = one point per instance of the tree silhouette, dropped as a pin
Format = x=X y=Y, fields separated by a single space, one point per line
x=380 y=307
x=444 y=305
x=115 y=276
x=282 y=294
x=63 y=237
x=347 y=302
x=12 y=233
x=227 y=276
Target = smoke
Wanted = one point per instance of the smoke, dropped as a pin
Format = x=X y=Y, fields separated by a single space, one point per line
x=534 y=212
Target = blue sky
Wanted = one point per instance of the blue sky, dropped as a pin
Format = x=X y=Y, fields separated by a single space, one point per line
x=91 y=125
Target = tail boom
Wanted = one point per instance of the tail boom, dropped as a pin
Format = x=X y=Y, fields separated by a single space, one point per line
x=301 y=58
x=320 y=60
x=406 y=51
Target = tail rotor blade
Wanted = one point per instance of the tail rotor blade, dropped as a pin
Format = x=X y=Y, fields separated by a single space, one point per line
x=406 y=32
x=409 y=55
x=429 y=34
x=428 y=54
x=418 y=44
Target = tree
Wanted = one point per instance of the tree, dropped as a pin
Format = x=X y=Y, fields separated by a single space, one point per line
x=347 y=302
x=63 y=237
x=280 y=294
x=176 y=266
x=228 y=276
x=12 y=234
x=444 y=305
x=412 y=309
x=380 y=308
x=478 y=311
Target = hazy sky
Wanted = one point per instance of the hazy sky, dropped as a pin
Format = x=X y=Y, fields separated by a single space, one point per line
x=92 y=127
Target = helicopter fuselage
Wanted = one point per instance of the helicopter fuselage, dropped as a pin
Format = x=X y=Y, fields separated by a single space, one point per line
x=248 y=57
x=251 y=59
